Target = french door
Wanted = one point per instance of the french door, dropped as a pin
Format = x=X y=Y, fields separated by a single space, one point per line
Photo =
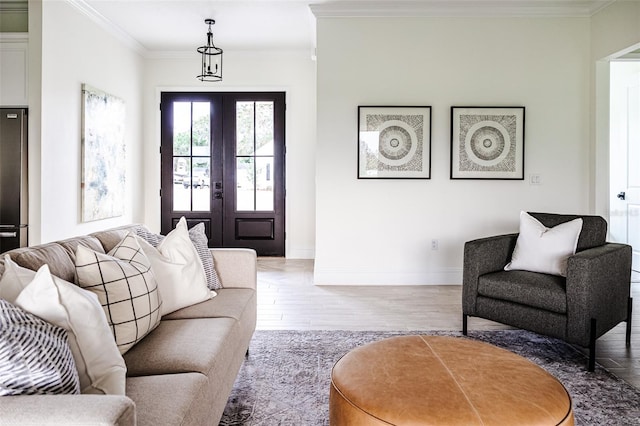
x=223 y=163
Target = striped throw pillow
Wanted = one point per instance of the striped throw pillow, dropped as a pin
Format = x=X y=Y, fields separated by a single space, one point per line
x=35 y=357
x=201 y=243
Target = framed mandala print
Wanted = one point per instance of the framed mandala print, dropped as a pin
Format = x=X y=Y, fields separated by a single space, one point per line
x=394 y=142
x=487 y=143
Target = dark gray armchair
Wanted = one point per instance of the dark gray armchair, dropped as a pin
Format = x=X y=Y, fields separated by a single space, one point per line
x=592 y=299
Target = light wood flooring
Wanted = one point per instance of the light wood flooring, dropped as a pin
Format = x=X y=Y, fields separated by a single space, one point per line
x=288 y=300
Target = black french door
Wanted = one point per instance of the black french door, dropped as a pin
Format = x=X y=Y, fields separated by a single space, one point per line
x=223 y=164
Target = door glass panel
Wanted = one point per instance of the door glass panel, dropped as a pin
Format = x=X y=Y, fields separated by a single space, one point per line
x=264 y=128
x=255 y=156
x=264 y=183
x=200 y=184
x=201 y=128
x=245 y=184
x=181 y=194
x=181 y=128
x=245 y=128
x=191 y=156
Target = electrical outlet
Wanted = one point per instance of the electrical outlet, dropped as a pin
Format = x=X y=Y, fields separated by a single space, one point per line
x=535 y=179
x=434 y=244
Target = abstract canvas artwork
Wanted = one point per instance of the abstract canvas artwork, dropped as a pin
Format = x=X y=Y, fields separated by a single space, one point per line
x=394 y=142
x=487 y=142
x=103 y=155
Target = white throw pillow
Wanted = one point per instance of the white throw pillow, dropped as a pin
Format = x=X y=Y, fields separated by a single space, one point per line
x=14 y=279
x=177 y=288
x=125 y=286
x=178 y=268
x=542 y=249
x=200 y=242
x=100 y=366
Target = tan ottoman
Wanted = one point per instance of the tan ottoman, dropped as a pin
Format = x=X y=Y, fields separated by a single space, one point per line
x=436 y=380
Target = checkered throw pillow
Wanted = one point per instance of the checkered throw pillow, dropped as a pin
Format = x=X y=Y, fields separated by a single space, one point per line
x=125 y=286
x=35 y=357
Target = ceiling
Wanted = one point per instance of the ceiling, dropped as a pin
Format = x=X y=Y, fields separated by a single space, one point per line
x=156 y=27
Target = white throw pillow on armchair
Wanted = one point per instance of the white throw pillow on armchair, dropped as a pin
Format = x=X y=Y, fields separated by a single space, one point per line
x=542 y=249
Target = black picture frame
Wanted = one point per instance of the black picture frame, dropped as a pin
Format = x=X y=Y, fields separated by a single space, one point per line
x=487 y=142
x=394 y=142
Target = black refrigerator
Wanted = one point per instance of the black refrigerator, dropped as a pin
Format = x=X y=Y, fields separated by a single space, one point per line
x=13 y=178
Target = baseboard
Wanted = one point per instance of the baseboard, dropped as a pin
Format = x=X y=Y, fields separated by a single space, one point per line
x=300 y=253
x=441 y=276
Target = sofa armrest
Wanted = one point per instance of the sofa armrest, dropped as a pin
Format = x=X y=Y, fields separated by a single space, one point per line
x=236 y=267
x=71 y=410
x=598 y=286
x=482 y=256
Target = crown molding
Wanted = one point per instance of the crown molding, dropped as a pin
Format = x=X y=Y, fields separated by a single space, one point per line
x=458 y=8
x=235 y=53
x=109 y=26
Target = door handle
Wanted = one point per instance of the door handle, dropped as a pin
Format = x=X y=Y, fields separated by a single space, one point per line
x=8 y=234
x=622 y=195
x=217 y=195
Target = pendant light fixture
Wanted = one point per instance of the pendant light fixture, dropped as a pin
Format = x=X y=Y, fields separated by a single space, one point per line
x=211 y=58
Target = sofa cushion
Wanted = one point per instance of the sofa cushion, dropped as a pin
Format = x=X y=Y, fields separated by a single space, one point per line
x=52 y=254
x=183 y=346
x=110 y=238
x=35 y=357
x=170 y=399
x=229 y=303
x=542 y=291
x=71 y=245
x=126 y=288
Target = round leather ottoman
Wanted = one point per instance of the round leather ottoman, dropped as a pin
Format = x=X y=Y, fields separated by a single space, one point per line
x=437 y=380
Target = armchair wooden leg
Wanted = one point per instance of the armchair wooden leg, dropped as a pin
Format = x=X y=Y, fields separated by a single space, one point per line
x=629 y=312
x=464 y=324
x=592 y=346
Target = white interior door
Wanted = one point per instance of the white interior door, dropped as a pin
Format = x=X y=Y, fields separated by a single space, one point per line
x=625 y=156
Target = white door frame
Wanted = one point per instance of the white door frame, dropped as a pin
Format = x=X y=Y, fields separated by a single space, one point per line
x=624 y=181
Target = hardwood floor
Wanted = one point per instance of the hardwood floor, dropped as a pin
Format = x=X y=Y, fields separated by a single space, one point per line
x=288 y=300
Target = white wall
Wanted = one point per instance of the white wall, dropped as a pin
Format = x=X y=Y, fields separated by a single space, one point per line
x=74 y=51
x=291 y=72
x=379 y=231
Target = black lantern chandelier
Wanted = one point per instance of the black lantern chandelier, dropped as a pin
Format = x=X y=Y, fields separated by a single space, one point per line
x=211 y=58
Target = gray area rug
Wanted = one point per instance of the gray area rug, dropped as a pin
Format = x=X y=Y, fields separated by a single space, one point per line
x=286 y=378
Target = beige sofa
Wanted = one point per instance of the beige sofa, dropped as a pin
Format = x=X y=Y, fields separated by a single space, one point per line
x=180 y=374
